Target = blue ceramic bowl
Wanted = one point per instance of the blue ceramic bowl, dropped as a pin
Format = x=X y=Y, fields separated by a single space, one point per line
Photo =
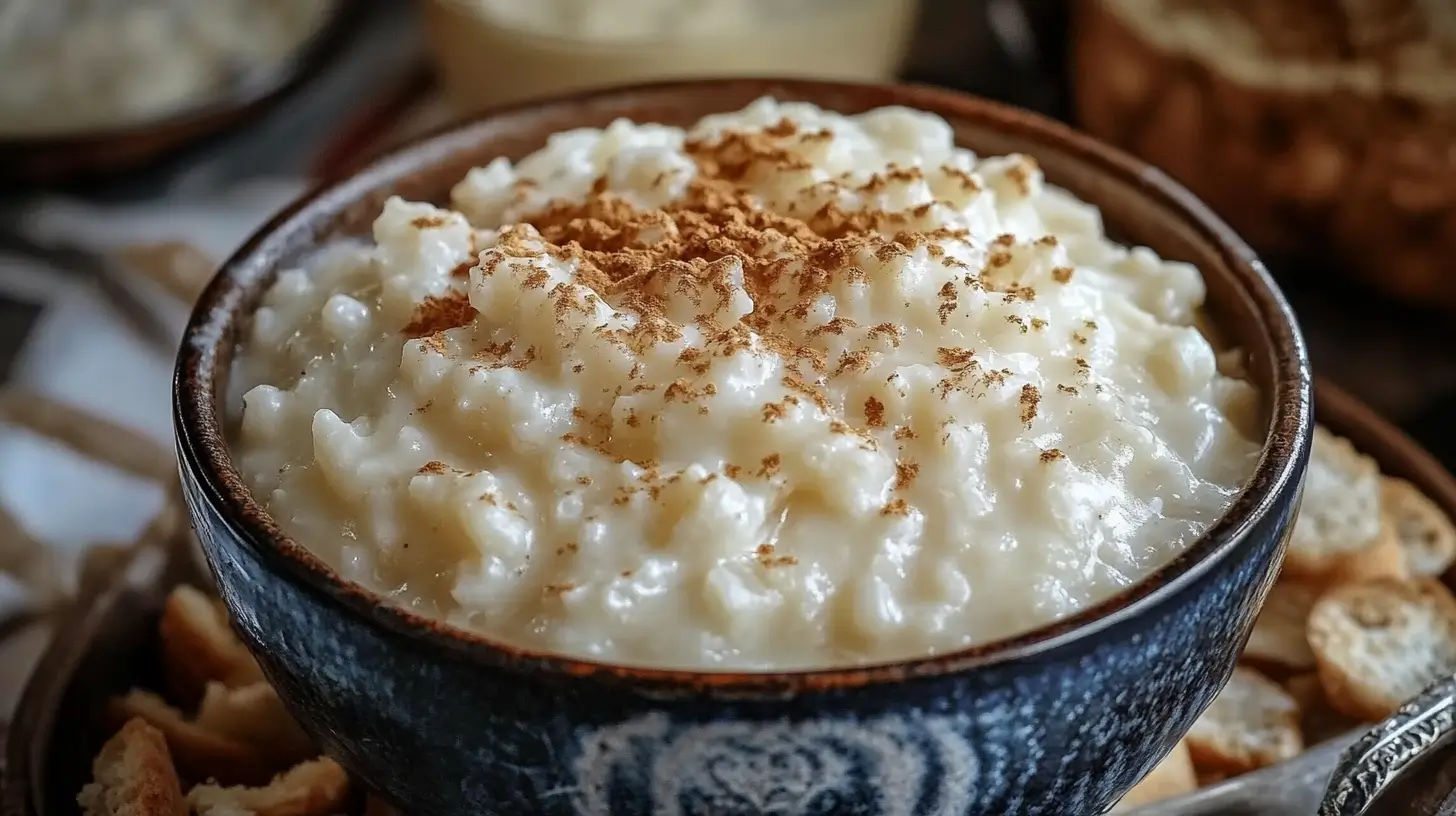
x=442 y=722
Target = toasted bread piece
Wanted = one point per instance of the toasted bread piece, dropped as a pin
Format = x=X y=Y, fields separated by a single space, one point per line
x=1171 y=777
x=1318 y=720
x=1424 y=532
x=1208 y=777
x=197 y=752
x=1305 y=690
x=1278 y=639
x=198 y=647
x=315 y=788
x=254 y=715
x=133 y=776
x=1252 y=723
x=1379 y=643
x=1340 y=534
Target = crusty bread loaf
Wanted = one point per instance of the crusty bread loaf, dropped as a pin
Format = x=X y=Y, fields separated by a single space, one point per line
x=1378 y=643
x=1340 y=160
x=1424 y=532
x=1252 y=723
x=133 y=776
x=1324 y=31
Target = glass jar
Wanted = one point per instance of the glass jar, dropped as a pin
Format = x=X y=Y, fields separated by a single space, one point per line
x=493 y=52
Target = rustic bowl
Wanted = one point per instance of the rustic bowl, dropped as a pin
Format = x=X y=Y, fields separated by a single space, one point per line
x=74 y=157
x=1061 y=720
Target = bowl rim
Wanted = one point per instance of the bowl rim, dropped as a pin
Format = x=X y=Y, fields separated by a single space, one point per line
x=204 y=451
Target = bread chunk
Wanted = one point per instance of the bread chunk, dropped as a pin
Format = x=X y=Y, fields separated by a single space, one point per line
x=133 y=776
x=1424 y=532
x=316 y=788
x=1339 y=535
x=1252 y=723
x=1381 y=642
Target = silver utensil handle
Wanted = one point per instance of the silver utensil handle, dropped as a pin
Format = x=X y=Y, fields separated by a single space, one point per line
x=1378 y=757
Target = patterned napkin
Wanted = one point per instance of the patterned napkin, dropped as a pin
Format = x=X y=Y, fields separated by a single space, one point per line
x=64 y=347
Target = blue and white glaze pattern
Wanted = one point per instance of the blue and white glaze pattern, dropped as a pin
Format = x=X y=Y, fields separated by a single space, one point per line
x=892 y=766
x=446 y=733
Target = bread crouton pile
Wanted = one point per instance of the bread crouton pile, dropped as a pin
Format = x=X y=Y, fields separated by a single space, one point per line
x=219 y=743
x=1357 y=623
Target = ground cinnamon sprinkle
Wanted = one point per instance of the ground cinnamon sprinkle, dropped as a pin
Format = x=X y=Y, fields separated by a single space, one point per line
x=874 y=413
x=438 y=314
x=948 y=301
x=693 y=252
x=905 y=473
x=768 y=557
x=1021 y=173
x=1030 y=398
x=770 y=466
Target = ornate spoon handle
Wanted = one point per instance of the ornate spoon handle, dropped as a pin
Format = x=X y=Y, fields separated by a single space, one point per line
x=1378 y=757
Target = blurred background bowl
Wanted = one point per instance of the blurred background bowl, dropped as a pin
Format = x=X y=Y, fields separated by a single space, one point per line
x=69 y=156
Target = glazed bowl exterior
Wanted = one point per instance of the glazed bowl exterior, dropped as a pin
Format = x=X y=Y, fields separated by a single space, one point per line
x=1061 y=720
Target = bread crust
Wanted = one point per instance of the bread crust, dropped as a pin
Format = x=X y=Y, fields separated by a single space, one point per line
x=1344 y=164
x=315 y=788
x=1253 y=723
x=133 y=776
x=199 y=647
x=1378 y=643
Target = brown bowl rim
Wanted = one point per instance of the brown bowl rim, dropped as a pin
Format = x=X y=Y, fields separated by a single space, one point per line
x=202 y=442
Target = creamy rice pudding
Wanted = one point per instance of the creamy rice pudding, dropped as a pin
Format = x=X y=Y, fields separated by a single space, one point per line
x=789 y=389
